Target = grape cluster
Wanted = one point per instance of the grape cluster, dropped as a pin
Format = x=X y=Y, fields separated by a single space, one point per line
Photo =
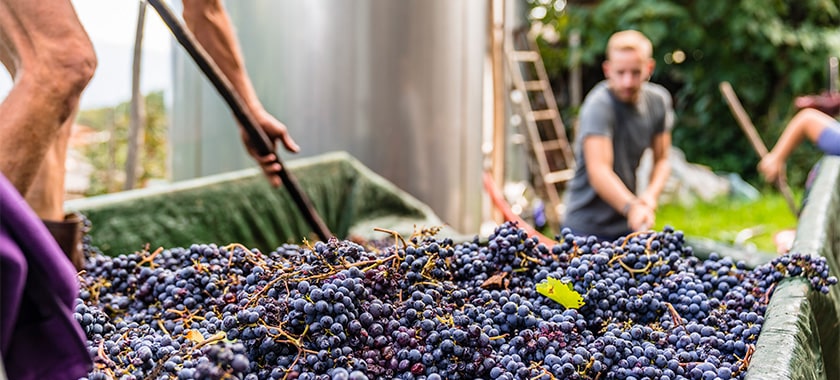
x=429 y=308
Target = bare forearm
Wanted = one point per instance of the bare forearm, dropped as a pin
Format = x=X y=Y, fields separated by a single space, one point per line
x=209 y=22
x=808 y=123
x=597 y=151
x=610 y=188
x=658 y=177
x=790 y=139
x=661 y=148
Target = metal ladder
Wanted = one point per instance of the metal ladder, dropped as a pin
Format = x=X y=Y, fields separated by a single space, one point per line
x=552 y=163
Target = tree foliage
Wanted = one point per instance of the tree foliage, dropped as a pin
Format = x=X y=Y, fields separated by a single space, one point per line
x=770 y=51
x=108 y=159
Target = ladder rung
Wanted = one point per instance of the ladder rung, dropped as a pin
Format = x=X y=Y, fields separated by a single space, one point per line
x=547 y=114
x=559 y=176
x=525 y=55
x=535 y=85
x=552 y=145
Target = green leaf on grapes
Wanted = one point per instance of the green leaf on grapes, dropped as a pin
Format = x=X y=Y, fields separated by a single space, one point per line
x=561 y=292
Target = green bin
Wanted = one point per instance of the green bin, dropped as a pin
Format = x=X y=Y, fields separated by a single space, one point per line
x=800 y=338
x=241 y=207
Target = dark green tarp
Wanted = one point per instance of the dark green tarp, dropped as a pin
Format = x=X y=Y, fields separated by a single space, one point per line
x=241 y=207
x=800 y=338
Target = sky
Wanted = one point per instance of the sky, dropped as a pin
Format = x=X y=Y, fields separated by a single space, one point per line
x=111 y=26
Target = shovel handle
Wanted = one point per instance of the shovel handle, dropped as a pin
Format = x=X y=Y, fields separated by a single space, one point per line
x=752 y=134
x=259 y=140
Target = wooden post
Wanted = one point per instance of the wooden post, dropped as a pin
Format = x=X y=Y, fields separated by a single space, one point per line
x=575 y=80
x=110 y=172
x=497 y=41
x=137 y=120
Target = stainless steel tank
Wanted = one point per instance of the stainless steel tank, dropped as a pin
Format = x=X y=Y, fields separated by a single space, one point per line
x=397 y=84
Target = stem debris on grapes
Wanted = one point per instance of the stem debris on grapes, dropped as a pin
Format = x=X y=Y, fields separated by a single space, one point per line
x=149 y=258
x=675 y=317
x=745 y=362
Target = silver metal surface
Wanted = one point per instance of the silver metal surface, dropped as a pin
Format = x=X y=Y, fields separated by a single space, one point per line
x=397 y=84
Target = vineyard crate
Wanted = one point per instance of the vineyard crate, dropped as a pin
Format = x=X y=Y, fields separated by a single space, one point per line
x=241 y=207
x=800 y=338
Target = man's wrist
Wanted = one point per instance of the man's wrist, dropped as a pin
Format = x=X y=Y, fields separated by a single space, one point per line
x=628 y=206
x=648 y=201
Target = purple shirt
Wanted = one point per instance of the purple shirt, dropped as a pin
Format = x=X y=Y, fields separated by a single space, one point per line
x=829 y=139
x=39 y=338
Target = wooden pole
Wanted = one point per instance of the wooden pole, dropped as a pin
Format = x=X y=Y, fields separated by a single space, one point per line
x=756 y=141
x=497 y=33
x=137 y=118
x=111 y=122
x=576 y=76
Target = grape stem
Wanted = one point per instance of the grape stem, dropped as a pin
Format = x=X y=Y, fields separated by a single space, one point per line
x=231 y=248
x=675 y=317
x=497 y=279
x=185 y=316
x=647 y=254
x=100 y=353
x=162 y=328
x=396 y=236
x=766 y=297
x=155 y=373
x=544 y=372
x=96 y=288
x=150 y=258
x=286 y=276
x=497 y=337
x=296 y=341
x=745 y=362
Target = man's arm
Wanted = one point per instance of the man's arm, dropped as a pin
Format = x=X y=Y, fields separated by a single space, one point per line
x=209 y=22
x=51 y=59
x=661 y=148
x=598 y=154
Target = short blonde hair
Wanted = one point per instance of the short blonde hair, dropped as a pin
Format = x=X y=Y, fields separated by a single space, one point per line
x=630 y=40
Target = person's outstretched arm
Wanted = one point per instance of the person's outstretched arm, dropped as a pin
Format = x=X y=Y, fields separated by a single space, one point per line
x=661 y=148
x=808 y=123
x=209 y=22
x=598 y=154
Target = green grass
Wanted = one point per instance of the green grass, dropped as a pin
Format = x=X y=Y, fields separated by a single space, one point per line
x=724 y=218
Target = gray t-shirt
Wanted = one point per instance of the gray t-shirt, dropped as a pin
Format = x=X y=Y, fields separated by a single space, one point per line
x=632 y=128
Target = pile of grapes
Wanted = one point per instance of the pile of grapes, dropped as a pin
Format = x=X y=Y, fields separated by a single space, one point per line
x=429 y=308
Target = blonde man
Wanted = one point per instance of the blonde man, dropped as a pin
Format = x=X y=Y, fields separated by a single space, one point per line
x=620 y=118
